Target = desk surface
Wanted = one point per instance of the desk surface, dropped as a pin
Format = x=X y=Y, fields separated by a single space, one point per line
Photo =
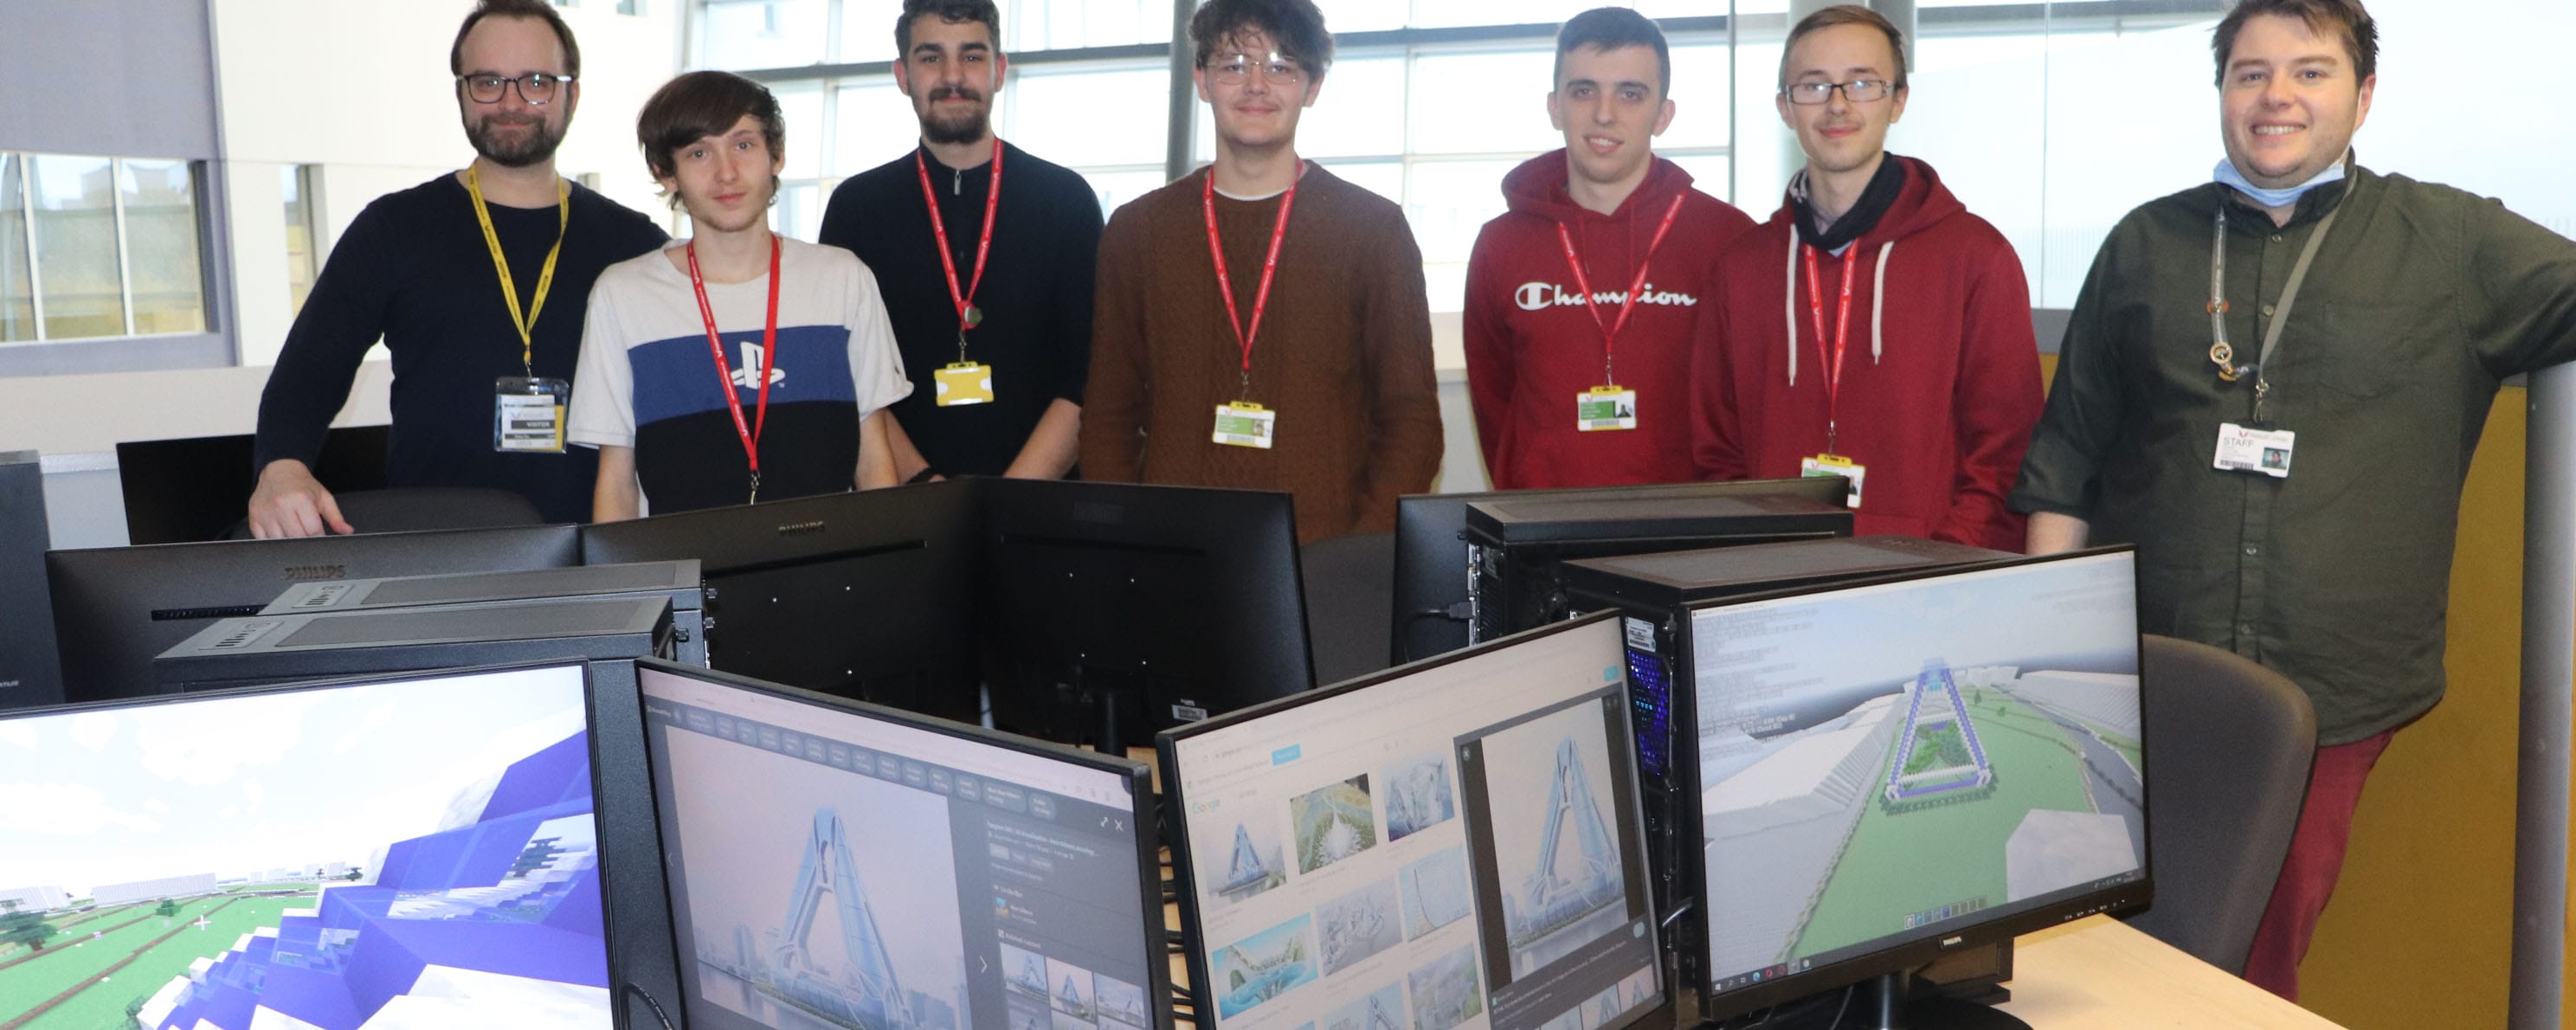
x=2097 y=972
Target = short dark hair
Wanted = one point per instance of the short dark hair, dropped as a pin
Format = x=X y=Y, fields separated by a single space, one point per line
x=1845 y=14
x=1615 y=28
x=1296 y=27
x=2344 y=17
x=536 y=9
x=697 y=105
x=954 y=12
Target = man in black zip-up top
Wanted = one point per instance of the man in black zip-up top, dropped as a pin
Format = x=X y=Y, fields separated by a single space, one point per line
x=984 y=255
x=476 y=281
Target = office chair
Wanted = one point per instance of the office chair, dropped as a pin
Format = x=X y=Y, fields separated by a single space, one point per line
x=1350 y=601
x=405 y=509
x=2229 y=746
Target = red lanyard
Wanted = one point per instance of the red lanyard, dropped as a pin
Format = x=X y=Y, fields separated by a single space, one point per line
x=1842 y=333
x=750 y=431
x=1574 y=262
x=1269 y=267
x=968 y=315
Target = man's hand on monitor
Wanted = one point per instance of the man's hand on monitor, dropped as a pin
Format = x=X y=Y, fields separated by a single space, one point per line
x=290 y=502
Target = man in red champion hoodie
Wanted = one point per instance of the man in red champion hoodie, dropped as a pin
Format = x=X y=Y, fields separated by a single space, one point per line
x=1873 y=327
x=1605 y=221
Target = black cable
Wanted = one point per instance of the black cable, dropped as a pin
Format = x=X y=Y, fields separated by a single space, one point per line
x=1842 y=1008
x=665 y=1017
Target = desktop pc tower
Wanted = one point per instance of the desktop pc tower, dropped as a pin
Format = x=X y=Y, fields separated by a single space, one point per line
x=291 y=648
x=678 y=581
x=1516 y=547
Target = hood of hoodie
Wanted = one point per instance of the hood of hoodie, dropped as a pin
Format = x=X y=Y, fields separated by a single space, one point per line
x=1537 y=187
x=1922 y=204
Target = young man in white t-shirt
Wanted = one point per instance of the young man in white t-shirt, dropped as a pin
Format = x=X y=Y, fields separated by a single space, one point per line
x=737 y=365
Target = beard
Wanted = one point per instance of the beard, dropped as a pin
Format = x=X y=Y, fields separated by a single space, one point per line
x=962 y=128
x=538 y=145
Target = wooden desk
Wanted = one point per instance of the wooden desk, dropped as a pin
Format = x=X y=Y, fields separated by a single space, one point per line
x=2099 y=973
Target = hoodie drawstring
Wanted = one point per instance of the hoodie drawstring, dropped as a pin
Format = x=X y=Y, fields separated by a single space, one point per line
x=1878 y=301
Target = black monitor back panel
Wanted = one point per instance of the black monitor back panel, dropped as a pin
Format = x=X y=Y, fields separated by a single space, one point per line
x=115 y=608
x=288 y=648
x=1431 y=570
x=864 y=595
x=30 y=675
x=191 y=490
x=1169 y=603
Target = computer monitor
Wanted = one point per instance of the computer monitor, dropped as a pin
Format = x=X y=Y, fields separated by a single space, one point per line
x=188 y=490
x=1431 y=569
x=117 y=607
x=1451 y=841
x=867 y=595
x=1116 y=609
x=1898 y=770
x=417 y=851
x=833 y=863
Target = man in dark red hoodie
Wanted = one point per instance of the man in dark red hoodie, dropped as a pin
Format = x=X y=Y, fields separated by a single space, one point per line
x=1580 y=298
x=1873 y=328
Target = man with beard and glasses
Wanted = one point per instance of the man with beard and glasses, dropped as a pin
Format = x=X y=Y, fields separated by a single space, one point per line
x=985 y=255
x=476 y=282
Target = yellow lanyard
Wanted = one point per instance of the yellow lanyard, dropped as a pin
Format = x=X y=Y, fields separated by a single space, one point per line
x=527 y=323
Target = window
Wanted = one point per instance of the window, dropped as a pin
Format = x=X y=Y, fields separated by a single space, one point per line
x=94 y=247
x=303 y=235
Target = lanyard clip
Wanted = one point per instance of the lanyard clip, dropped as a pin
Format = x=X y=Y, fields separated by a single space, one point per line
x=755 y=487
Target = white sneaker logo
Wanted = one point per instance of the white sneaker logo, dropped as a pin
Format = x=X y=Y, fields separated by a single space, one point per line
x=748 y=376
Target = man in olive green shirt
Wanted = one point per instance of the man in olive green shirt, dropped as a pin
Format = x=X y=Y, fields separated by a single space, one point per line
x=2323 y=546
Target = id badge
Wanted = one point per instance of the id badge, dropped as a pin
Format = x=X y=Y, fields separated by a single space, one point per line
x=1605 y=407
x=964 y=383
x=2245 y=449
x=1836 y=465
x=528 y=415
x=1245 y=424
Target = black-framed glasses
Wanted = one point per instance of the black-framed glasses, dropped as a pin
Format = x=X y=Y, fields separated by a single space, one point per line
x=1858 y=91
x=1237 y=69
x=534 y=87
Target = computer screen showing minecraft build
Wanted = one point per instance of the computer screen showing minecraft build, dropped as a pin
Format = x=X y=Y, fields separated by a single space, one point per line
x=1453 y=845
x=1890 y=763
x=412 y=853
x=831 y=866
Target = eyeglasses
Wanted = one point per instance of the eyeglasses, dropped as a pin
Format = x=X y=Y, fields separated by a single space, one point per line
x=1858 y=91
x=534 y=87
x=1236 y=69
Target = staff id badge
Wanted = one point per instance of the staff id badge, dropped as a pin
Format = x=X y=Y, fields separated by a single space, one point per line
x=964 y=383
x=1605 y=407
x=1835 y=465
x=1245 y=424
x=528 y=415
x=2243 y=449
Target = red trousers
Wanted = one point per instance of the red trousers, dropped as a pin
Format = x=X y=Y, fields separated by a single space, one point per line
x=2315 y=860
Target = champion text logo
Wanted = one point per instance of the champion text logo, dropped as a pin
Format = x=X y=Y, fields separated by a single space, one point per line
x=748 y=376
x=1540 y=296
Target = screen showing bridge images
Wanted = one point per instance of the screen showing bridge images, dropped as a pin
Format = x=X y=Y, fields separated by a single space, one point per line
x=829 y=868
x=1886 y=763
x=414 y=854
x=1458 y=847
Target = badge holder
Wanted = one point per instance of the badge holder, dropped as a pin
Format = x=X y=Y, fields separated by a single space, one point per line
x=963 y=382
x=1835 y=465
x=528 y=414
x=1245 y=424
x=1605 y=408
x=2248 y=449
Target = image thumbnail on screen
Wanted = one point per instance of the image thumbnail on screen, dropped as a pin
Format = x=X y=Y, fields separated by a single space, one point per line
x=1883 y=761
x=420 y=853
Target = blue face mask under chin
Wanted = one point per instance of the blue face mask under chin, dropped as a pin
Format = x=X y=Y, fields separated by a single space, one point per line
x=2227 y=175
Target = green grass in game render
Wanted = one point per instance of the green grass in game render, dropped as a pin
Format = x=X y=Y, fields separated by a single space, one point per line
x=25 y=986
x=1943 y=854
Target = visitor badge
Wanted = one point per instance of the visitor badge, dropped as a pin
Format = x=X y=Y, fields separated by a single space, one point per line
x=528 y=415
x=1836 y=465
x=1245 y=424
x=2243 y=449
x=1605 y=407
x=964 y=383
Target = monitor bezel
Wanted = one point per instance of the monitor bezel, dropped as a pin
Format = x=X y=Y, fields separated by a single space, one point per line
x=1906 y=955
x=1176 y=804
x=1139 y=777
x=619 y=971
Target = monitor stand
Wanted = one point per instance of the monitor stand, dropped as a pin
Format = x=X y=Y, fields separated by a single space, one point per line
x=1892 y=1002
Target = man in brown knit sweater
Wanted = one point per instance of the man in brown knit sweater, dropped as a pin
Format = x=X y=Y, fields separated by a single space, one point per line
x=1300 y=361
